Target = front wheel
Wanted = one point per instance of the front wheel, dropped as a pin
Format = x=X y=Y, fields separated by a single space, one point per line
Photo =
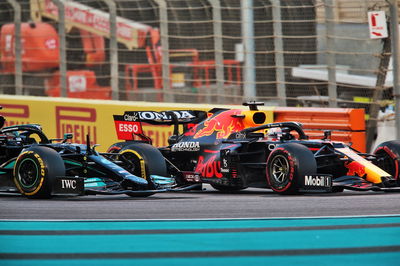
x=143 y=160
x=287 y=165
x=35 y=170
x=387 y=157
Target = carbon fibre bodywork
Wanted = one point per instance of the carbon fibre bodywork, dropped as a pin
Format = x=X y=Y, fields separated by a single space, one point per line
x=39 y=167
x=232 y=149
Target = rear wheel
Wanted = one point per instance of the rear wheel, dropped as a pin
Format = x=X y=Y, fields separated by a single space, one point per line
x=287 y=165
x=35 y=170
x=388 y=155
x=143 y=160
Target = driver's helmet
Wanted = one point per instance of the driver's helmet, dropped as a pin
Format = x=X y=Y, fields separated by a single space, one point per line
x=274 y=132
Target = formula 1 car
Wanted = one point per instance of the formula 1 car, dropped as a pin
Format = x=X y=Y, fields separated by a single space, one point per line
x=233 y=149
x=39 y=167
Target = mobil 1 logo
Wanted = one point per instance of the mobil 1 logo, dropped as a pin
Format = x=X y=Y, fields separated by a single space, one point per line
x=317 y=182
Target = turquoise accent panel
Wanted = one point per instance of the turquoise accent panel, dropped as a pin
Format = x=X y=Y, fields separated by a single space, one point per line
x=379 y=239
x=195 y=224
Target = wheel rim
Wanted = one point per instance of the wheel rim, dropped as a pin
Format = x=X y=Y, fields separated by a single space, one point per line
x=279 y=170
x=130 y=161
x=28 y=173
x=387 y=163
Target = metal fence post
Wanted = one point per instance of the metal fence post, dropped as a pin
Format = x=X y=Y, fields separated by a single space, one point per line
x=218 y=49
x=113 y=49
x=168 y=97
x=330 y=56
x=249 y=77
x=279 y=52
x=394 y=29
x=18 y=46
x=62 y=48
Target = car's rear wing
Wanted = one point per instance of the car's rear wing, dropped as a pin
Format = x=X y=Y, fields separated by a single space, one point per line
x=130 y=123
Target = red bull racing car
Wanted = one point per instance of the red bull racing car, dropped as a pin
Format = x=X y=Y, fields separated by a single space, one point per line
x=233 y=149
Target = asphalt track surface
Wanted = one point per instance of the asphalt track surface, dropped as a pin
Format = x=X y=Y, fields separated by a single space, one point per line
x=207 y=227
x=206 y=204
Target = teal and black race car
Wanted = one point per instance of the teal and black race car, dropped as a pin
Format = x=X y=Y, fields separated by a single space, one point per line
x=39 y=167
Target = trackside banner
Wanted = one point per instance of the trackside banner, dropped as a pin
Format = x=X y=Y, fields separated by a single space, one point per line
x=58 y=116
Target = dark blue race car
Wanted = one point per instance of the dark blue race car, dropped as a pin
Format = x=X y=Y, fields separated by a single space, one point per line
x=233 y=149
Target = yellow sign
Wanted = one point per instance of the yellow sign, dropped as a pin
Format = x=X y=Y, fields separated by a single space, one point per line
x=178 y=80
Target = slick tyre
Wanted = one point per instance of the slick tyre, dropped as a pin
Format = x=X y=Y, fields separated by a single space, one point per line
x=387 y=158
x=116 y=147
x=143 y=160
x=35 y=170
x=287 y=165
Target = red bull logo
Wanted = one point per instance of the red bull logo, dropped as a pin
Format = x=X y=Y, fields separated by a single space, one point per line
x=355 y=169
x=209 y=167
x=224 y=124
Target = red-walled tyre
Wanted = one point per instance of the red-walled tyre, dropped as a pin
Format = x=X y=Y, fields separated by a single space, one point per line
x=387 y=158
x=287 y=165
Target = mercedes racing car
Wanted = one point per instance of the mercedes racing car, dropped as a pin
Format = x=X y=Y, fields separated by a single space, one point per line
x=233 y=149
x=39 y=167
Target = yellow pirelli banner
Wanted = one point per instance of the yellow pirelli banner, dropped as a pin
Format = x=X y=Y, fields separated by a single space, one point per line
x=58 y=116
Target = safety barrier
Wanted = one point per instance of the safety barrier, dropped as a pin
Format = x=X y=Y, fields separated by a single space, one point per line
x=58 y=116
x=95 y=117
x=347 y=125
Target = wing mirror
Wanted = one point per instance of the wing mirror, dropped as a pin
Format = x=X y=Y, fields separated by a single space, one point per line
x=67 y=136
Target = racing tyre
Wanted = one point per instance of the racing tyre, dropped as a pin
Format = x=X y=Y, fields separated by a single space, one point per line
x=287 y=165
x=387 y=158
x=35 y=170
x=116 y=147
x=143 y=160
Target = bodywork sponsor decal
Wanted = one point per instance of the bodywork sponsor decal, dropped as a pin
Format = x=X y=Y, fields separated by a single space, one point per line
x=186 y=146
x=68 y=185
x=318 y=180
x=223 y=124
x=209 y=166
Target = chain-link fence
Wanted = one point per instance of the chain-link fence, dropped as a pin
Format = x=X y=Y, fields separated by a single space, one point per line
x=282 y=52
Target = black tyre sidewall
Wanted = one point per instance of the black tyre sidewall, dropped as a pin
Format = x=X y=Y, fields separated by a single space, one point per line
x=301 y=162
x=49 y=165
x=154 y=161
x=148 y=160
x=116 y=147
